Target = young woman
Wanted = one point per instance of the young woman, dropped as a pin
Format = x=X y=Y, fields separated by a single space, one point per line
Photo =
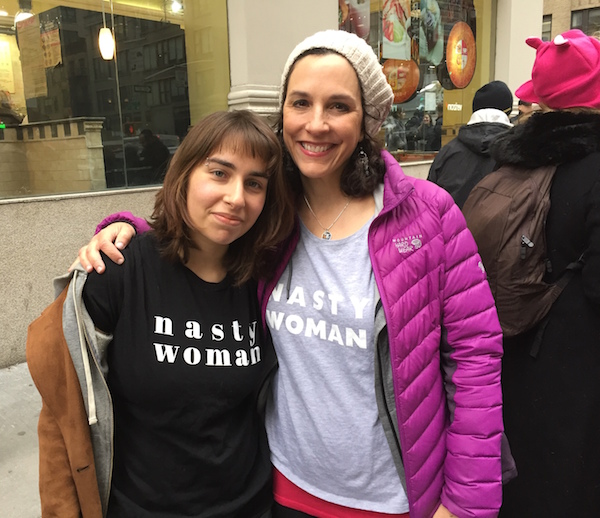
x=387 y=400
x=168 y=352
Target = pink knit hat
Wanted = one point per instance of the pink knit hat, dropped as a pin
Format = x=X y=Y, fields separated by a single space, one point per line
x=566 y=72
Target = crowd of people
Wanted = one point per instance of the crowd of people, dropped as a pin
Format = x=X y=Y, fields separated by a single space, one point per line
x=419 y=133
x=551 y=393
x=301 y=329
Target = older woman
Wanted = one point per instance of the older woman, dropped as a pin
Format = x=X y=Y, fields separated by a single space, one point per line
x=387 y=399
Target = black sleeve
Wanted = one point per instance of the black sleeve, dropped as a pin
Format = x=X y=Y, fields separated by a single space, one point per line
x=103 y=295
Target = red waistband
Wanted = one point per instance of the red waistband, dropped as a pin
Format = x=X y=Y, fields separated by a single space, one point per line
x=288 y=494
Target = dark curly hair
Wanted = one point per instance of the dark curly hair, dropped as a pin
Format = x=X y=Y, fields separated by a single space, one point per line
x=354 y=182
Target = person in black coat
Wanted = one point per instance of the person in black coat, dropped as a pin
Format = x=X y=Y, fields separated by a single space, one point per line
x=437 y=128
x=154 y=154
x=425 y=134
x=465 y=160
x=552 y=398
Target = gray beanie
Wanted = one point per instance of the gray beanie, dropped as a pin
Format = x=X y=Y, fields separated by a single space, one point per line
x=378 y=94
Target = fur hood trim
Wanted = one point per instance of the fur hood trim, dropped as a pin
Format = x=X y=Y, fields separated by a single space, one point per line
x=551 y=138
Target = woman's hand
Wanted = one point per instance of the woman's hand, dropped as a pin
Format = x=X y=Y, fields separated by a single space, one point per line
x=110 y=240
x=442 y=512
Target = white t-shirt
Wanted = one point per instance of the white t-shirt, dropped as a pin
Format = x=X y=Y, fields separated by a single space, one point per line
x=322 y=421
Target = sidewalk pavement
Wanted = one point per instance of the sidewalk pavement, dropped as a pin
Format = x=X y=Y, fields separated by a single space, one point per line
x=20 y=406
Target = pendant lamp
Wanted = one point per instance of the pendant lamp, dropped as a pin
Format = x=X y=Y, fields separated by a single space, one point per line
x=106 y=40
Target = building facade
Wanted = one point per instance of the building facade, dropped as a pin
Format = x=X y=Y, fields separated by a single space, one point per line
x=562 y=15
x=66 y=165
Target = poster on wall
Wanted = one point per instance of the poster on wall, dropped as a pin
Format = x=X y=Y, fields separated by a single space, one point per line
x=403 y=76
x=454 y=12
x=51 y=44
x=32 y=58
x=396 y=29
x=417 y=40
x=431 y=33
x=355 y=16
x=461 y=55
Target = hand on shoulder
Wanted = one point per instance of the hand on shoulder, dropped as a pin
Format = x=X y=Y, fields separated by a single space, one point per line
x=110 y=240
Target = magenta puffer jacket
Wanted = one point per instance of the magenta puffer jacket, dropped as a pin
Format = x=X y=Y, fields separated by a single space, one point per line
x=445 y=348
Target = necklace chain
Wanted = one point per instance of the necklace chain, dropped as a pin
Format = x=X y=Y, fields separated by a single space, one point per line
x=326 y=234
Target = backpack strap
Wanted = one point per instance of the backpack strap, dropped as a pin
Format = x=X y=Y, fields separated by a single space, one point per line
x=565 y=278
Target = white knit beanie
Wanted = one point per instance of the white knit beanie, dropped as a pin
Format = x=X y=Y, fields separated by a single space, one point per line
x=378 y=94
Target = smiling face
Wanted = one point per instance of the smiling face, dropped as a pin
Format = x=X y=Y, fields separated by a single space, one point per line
x=322 y=115
x=226 y=194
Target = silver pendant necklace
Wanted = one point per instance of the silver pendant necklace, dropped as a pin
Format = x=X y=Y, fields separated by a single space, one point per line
x=326 y=234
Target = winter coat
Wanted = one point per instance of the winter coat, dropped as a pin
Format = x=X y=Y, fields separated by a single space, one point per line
x=465 y=160
x=444 y=424
x=65 y=357
x=426 y=136
x=552 y=400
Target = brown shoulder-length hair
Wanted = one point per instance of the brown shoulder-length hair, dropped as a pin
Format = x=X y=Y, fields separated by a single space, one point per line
x=353 y=182
x=241 y=132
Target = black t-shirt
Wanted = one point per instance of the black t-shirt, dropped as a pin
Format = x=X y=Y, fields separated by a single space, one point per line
x=185 y=365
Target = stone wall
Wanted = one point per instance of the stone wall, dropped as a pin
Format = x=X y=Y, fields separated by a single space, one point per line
x=52 y=157
x=40 y=239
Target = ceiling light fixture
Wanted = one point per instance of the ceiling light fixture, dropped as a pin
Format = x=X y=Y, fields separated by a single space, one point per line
x=24 y=11
x=106 y=40
x=22 y=15
x=176 y=6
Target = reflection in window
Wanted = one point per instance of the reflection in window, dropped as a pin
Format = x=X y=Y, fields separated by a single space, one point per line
x=427 y=48
x=87 y=108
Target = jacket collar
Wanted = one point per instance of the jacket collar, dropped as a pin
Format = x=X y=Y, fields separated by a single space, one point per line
x=396 y=185
x=490 y=115
x=550 y=138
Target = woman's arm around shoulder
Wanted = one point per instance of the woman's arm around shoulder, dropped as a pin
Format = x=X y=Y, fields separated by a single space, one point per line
x=113 y=234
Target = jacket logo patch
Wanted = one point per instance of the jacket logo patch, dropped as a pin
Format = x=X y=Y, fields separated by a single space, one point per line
x=408 y=244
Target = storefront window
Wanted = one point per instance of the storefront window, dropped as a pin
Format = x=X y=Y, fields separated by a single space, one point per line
x=435 y=54
x=72 y=120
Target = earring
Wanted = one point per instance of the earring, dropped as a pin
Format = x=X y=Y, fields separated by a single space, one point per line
x=363 y=160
